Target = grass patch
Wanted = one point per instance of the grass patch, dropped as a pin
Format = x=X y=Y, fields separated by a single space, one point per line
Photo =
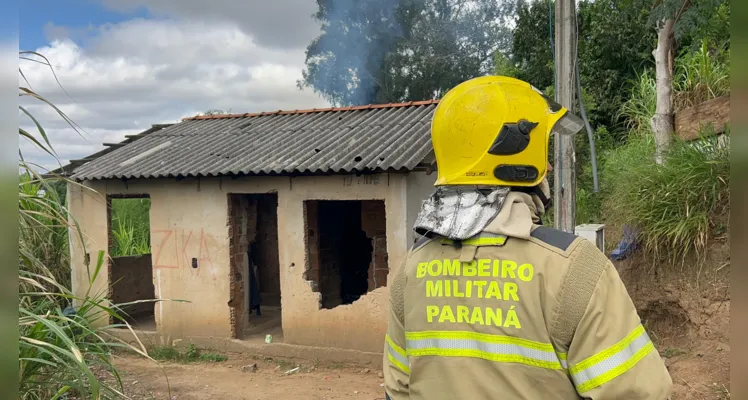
x=722 y=392
x=191 y=354
x=43 y=230
x=336 y=365
x=640 y=107
x=677 y=206
x=212 y=357
x=64 y=352
x=673 y=352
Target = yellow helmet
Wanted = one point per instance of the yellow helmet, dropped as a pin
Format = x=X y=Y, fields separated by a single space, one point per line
x=495 y=131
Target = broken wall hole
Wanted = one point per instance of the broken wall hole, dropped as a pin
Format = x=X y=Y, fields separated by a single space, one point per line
x=130 y=269
x=254 y=271
x=346 y=249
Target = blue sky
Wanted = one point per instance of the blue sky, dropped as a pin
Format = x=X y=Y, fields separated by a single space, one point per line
x=34 y=15
x=8 y=23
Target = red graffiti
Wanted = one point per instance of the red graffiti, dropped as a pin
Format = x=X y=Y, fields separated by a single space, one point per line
x=174 y=247
x=160 y=249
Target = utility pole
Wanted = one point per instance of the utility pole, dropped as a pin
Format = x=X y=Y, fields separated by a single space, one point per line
x=564 y=182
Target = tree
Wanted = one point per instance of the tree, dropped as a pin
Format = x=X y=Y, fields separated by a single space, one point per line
x=402 y=50
x=531 y=56
x=667 y=17
x=212 y=112
x=614 y=43
x=662 y=120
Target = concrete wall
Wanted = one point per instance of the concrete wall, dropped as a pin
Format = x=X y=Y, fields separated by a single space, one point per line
x=419 y=187
x=189 y=220
x=374 y=223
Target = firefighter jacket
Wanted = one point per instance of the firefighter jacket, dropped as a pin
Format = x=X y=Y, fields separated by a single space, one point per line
x=519 y=311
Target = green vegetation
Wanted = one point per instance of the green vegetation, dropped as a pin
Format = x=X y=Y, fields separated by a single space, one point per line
x=701 y=75
x=191 y=354
x=130 y=227
x=43 y=238
x=64 y=352
x=676 y=206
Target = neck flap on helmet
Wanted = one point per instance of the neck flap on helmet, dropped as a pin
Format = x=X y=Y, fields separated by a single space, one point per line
x=459 y=212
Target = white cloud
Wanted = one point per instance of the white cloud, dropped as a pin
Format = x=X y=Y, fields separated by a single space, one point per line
x=140 y=72
x=276 y=23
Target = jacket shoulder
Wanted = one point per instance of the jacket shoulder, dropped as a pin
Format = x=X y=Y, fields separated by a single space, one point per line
x=420 y=243
x=554 y=239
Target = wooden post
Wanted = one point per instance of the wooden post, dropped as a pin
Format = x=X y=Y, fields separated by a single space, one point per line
x=564 y=192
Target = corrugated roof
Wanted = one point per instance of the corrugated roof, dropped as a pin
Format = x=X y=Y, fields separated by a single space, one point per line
x=376 y=137
x=69 y=168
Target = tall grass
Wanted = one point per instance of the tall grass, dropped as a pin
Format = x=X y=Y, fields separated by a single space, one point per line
x=700 y=76
x=676 y=206
x=64 y=347
x=640 y=107
x=41 y=232
x=130 y=227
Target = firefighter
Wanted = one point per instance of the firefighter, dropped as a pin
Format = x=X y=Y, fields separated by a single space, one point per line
x=490 y=304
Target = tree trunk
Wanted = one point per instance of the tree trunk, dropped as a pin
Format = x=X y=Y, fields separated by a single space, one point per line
x=662 y=121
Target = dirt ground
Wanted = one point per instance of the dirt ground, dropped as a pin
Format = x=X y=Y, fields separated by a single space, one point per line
x=235 y=379
x=686 y=310
x=699 y=372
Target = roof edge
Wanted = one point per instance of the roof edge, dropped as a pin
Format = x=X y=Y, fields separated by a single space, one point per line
x=285 y=174
x=316 y=110
x=68 y=169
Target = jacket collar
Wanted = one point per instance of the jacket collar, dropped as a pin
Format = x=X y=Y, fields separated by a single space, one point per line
x=518 y=216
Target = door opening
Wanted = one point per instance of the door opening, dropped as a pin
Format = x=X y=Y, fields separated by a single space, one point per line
x=255 y=267
x=130 y=264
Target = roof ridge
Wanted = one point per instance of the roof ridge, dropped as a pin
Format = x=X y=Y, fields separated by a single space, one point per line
x=316 y=110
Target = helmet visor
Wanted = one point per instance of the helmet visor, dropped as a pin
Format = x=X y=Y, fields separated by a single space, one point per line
x=569 y=124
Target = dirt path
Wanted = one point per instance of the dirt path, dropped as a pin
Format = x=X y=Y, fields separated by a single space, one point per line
x=231 y=380
x=699 y=374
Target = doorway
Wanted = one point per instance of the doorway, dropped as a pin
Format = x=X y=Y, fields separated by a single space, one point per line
x=255 y=266
x=130 y=263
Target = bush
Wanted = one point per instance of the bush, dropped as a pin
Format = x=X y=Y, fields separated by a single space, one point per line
x=675 y=206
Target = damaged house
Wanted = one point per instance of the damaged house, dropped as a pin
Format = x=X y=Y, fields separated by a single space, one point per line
x=309 y=209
